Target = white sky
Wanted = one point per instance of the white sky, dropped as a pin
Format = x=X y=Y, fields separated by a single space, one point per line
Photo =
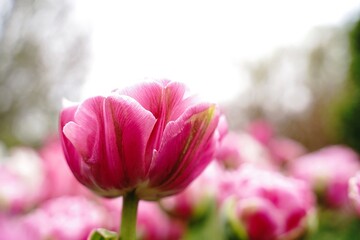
x=201 y=43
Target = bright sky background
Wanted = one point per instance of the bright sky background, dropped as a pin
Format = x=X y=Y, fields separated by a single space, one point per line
x=201 y=43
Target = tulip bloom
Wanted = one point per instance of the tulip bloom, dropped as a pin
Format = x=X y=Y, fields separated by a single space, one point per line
x=269 y=206
x=144 y=142
x=328 y=172
x=150 y=139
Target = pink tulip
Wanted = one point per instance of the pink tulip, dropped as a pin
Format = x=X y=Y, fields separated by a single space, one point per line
x=328 y=172
x=152 y=139
x=268 y=206
x=354 y=191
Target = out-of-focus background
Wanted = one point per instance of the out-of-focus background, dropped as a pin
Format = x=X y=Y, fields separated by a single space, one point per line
x=292 y=63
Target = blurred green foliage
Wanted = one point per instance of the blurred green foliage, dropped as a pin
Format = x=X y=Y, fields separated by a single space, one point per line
x=336 y=225
x=354 y=40
x=209 y=226
x=350 y=112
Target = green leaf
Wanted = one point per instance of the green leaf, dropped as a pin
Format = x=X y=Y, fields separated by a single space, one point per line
x=103 y=234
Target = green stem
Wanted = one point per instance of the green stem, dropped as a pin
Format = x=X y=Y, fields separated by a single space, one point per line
x=128 y=217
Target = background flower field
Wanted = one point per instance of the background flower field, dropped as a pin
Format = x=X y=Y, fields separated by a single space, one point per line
x=289 y=137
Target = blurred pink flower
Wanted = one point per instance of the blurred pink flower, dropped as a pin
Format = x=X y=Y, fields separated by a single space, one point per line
x=14 y=227
x=261 y=130
x=21 y=175
x=67 y=218
x=236 y=149
x=266 y=205
x=152 y=138
x=195 y=200
x=281 y=150
x=152 y=222
x=354 y=191
x=58 y=176
x=328 y=172
x=229 y=151
x=285 y=150
x=222 y=127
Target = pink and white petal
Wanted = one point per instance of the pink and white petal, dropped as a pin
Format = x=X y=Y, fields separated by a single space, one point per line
x=182 y=106
x=148 y=94
x=86 y=131
x=72 y=156
x=92 y=170
x=181 y=141
x=201 y=146
x=201 y=160
x=84 y=139
x=158 y=96
x=128 y=127
x=66 y=116
x=174 y=94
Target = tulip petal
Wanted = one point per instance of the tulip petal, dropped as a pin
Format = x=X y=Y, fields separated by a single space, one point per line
x=162 y=98
x=149 y=95
x=71 y=155
x=86 y=134
x=172 y=95
x=128 y=127
x=200 y=160
x=186 y=148
x=66 y=116
x=86 y=131
x=165 y=100
x=182 y=106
